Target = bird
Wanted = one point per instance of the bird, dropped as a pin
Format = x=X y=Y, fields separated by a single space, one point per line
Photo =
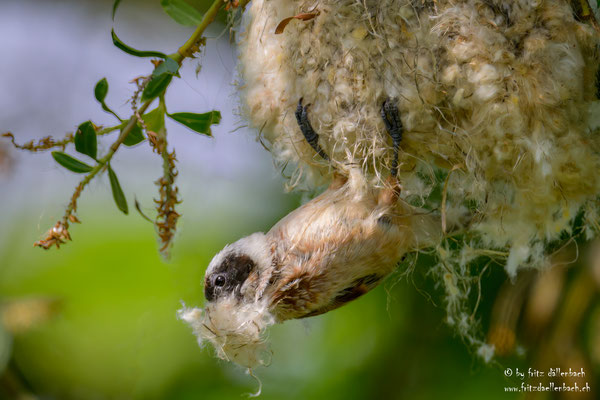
x=326 y=253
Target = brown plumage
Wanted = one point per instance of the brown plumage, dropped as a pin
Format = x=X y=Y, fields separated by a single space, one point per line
x=327 y=252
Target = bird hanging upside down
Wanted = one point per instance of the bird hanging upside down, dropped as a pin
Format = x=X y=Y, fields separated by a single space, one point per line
x=326 y=253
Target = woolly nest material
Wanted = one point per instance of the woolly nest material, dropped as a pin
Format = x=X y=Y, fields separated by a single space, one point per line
x=236 y=333
x=500 y=93
x=497 y=100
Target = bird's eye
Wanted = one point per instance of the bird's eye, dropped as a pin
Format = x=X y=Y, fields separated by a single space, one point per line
x=219 y=280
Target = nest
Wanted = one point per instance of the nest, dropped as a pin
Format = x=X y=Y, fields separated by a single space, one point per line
x=495 y=97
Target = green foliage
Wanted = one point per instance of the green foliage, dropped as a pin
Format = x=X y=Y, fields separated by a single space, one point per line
x=85 y=140
x=135 y=136
x=70 y=163
x=156 y=86
x=117 y=192
x=134 y=52
x=100 y=92
x=155 y=119
x=198 y=122
x=114 y=8
x=182 y=12
x=160 y=79
x=168 y=66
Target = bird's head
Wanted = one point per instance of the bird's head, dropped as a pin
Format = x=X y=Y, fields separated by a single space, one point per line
x=235 y=316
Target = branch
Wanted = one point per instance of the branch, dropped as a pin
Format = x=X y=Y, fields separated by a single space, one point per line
x=59 y=234
x=48 y=142
x=167 y=216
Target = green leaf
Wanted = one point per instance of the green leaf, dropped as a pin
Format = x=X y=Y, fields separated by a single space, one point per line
x=135 y=136
x=100 y=92
x=182 y=12
x=117 y=192
x=70 y=163
x=198 y=122
x=155 y=119
x=156 y=86
x=139 y=209
x=115 y=6
x=130 y=50
x=101 y=89
x=85 y=140
x=169 y=66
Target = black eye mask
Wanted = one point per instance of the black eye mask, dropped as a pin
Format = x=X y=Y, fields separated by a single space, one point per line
x=228 y=277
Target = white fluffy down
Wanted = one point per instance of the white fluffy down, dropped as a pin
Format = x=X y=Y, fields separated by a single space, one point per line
x=235 y=330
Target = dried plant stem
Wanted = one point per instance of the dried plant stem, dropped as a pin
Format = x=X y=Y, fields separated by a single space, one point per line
x=166 y=219
x=48 y=142
x=44 y=143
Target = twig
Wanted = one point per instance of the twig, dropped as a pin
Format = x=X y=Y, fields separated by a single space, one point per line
x=44 y=143
x=191 y=45
x=59 y=234
x=48 y=142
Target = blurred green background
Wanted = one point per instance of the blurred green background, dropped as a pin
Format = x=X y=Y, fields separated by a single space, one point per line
x=116 y=335
x=97 y=318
